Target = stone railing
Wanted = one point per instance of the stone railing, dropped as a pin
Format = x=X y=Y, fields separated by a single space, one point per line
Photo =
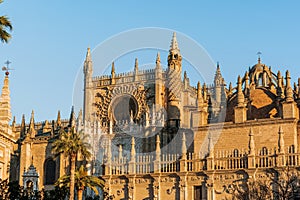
x=191 y=162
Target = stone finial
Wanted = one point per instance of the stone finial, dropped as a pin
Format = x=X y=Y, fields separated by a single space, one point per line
x=136 y=65
x=204 y=92
x=157 y=147
x=288 y=88
x=58 y=120
x=132 y=150
x=199 y=94
x=158 y=59
x=280 y=93
x=88 y=54
x=23 y=127
x=251 y=142
x=174 y=44
x=281 y=140
x=72 y=121
x=31 y=129
x=5 y=103
x=113 y=70
x=88 y=69
x=240 y=94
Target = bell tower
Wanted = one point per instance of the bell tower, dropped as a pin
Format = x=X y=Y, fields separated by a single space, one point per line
x=174 y=86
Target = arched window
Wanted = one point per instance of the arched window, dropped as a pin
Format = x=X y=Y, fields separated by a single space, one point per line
x=50 y=167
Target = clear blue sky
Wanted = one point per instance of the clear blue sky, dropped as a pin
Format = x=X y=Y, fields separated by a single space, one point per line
x=50 y=40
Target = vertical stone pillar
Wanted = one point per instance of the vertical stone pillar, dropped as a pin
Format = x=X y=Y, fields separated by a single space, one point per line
x=281 y=152
x=251 y=156
x=183 y=163
x=132 y=167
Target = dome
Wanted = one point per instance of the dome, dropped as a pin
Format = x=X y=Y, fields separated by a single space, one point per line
x=261 y=104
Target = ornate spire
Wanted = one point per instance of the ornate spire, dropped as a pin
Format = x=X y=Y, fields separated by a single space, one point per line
x=88 y=54
x=136 y=70
x=88 y=62
x=174 y=45
x=158 y=60
x=23 y=126
x=72 y=122
x=113 y=71
x=136 y=65
x=279 y=86
x=204 y=92
x=5 y=102
x=31 y=129
x=199 y=94
x=240 y=94
x=13 y=124
x=288 y=88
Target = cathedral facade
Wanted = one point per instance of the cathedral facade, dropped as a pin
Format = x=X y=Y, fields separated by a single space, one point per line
x=154 y=136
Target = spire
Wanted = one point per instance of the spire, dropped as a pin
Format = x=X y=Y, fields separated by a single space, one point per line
x=280 y=93
x=199 y=94
x=5 y=102
x=136 y=65
x=174 y=44
x=113 y=73
x=185 y=75
x=31 y=129
x=13 y=124
x=88 y=62
x=88 y=54
x=240 y=94
x=58 y=120
x=72 y=121
x=79 y=118
x=288 y=88
x=23 y=126
x=204 y=92
x=158 y=60
x=136 y=69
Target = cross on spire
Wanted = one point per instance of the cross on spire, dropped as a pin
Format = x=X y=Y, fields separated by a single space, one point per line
x=258 y=54
x=6 y=68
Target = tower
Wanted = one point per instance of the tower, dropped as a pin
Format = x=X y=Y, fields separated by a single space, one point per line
x=88 y=86
x=174 y=83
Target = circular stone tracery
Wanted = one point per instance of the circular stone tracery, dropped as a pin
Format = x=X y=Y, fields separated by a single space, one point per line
x=123 y=106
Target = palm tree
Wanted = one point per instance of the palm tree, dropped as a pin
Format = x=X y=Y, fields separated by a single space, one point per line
x=71 y=144
x=4 y=25
x=82 y=181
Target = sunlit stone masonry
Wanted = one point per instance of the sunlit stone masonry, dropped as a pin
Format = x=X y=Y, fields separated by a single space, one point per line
x=154 y=136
